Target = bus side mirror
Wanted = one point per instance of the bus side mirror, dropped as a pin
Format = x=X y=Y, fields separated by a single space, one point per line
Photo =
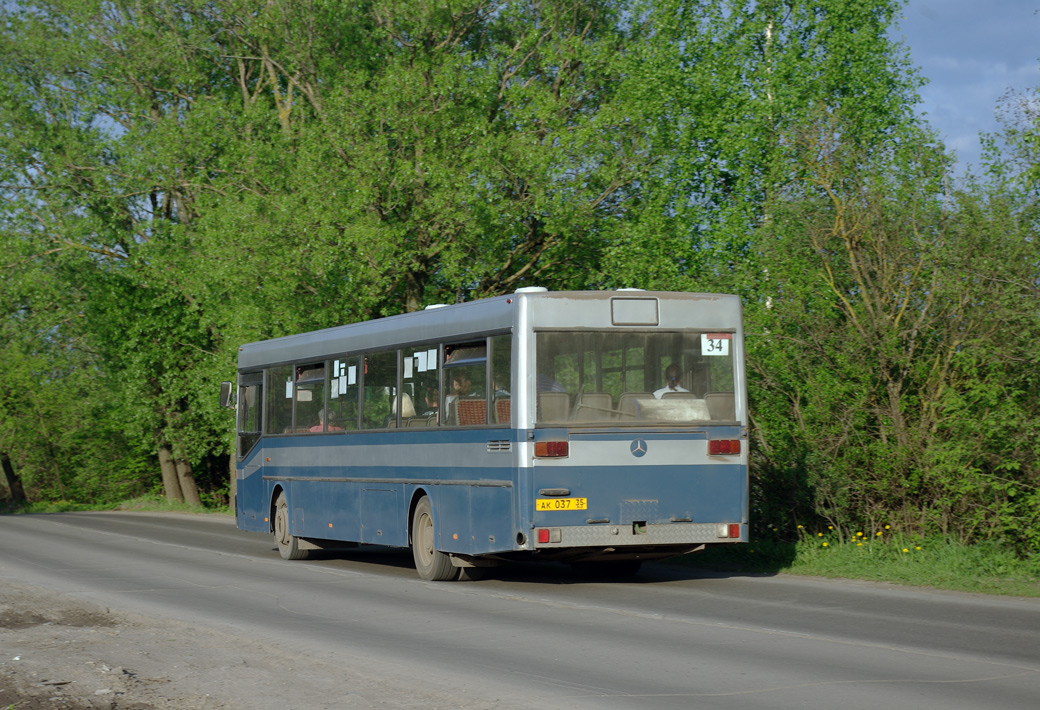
x=226 y=395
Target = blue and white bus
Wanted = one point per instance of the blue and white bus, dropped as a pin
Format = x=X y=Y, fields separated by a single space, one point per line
x=593 y=428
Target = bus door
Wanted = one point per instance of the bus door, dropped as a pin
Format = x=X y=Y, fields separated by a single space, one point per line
x=250 y=495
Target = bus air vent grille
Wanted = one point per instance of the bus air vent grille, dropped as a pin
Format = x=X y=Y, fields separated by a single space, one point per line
x=500 y=446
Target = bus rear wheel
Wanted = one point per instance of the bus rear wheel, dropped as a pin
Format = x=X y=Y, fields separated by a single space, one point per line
x=288 y=544
x=430 y=563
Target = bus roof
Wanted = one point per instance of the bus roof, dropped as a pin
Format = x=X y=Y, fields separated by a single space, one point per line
x=462 y=321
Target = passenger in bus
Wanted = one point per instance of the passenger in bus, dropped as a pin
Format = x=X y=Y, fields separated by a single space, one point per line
x=432 y=400
x=407 y=408
x=672 y=376
x=547 y=383
x=462 y=386
x=320 y=426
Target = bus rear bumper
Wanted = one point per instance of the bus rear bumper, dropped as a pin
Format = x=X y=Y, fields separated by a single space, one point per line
x=636 y=534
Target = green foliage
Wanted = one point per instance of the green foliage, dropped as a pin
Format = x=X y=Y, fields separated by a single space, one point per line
x=178 y=178
x=159 y=504
x=155 y=503
x=724 y=85
x=894 y=363
x=191 y=176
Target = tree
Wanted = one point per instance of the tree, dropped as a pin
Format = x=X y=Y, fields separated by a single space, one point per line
x=15 y=491
x=725 y=85
x=1011 y=157
x=200 y=175
x=85 y=91
x=178 y=178
x=470 y=148
x=883 y=311
x=60 y=436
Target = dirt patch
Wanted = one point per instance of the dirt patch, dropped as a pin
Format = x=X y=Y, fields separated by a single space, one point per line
x=58 y=652
x=63 y=654
x=17 y=694
x=13 y=615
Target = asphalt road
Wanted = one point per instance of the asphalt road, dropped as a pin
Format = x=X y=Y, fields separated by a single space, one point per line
x=536 y=636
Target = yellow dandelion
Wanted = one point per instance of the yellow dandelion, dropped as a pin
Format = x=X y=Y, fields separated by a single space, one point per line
x=905 y=550
x=887 y=527
x=825 y=544
x=918 y=547
x=830 y=527
x=859 y=534
x=799 y=527
x=859 y=544
x=819 y=534
x=879 y=533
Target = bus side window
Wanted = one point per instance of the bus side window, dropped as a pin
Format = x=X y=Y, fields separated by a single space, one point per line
x=465 y=376
x=419 y=384
x=501 y=377
x=310 y=398
x=343 y=393
x=380 y=389
x=279 y=400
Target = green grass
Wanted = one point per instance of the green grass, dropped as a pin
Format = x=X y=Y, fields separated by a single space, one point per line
x=157 y=504
x=987 y=568
x=161 y=505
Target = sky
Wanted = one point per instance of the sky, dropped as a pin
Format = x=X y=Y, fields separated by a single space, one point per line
x=972 y=52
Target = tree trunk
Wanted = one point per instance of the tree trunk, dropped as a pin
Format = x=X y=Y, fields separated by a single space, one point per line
x=14 y=484
x=171 y=482
x=187 y=481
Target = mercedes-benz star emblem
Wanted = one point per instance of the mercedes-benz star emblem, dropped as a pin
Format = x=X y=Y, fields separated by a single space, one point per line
x=638 y=448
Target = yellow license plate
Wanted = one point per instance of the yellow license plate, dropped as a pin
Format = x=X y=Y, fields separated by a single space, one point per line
x=562 y=504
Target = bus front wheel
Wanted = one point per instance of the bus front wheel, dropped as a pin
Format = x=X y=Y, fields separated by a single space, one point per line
x=430 y=563
x=288 y=544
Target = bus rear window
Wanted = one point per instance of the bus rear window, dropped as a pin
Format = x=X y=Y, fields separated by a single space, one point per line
x=634 y=377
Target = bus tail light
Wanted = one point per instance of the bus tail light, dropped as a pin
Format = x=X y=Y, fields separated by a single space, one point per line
x=551 y=449
x=728 y=530
x=547 y=535
x=723 y=447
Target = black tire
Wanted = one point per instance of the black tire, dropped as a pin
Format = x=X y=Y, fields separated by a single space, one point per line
x=288 y=544
x=431 y=564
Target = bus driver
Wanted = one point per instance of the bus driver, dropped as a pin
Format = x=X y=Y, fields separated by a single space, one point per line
x=672 y=376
